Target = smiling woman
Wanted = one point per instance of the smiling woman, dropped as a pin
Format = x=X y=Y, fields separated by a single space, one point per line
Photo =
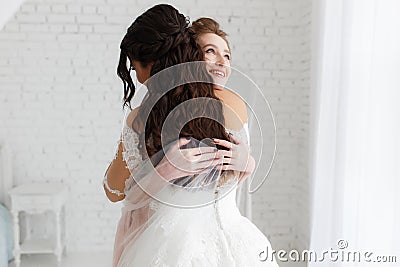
x=212 y=40
x=215 y=46
x=217 y=55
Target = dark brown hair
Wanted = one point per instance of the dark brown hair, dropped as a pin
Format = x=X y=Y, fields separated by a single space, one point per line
x=162 y=36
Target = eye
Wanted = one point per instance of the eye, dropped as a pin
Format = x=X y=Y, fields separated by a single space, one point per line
x=228 y=57
x=210 y=50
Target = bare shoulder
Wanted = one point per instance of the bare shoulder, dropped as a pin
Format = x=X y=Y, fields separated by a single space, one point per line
x=235 y=110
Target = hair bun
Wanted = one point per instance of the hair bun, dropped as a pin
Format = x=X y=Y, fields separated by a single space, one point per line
x=178 y=38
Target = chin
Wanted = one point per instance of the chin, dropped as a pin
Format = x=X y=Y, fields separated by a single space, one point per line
x=218 y=87
x=219 y=83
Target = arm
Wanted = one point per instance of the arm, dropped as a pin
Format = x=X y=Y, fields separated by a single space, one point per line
x=181 y=159
x=149 y=180
x=116 y=175
x=117 y=172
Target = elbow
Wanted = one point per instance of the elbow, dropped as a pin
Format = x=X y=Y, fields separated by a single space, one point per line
x=112 y=197
x=115 y=200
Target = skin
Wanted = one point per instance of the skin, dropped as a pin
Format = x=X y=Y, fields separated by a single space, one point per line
x=142 y=73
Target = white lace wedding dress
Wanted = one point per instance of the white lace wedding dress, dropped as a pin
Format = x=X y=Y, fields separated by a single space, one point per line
x=213 y=235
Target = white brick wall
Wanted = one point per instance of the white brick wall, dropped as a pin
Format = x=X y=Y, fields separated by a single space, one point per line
x=61 y=112
x=303 y=185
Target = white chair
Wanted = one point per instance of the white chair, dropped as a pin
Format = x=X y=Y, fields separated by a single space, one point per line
x=6 y=238
x=6 y=182
x=36 y=198
x=32 y=199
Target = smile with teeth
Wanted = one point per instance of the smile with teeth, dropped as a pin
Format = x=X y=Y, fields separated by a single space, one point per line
x=218 y=73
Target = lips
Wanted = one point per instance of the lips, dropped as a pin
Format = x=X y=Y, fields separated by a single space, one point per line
x=218 y=73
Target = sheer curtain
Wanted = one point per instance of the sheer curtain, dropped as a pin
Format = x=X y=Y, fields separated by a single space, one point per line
x=355 y=121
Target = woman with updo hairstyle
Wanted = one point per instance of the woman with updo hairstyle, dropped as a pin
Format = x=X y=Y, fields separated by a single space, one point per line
x=162 y=182
x=157 y=40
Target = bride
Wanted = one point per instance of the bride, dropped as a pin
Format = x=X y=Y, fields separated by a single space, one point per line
x=178 y=184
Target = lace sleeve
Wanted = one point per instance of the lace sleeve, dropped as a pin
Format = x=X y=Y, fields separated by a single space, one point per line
x=130 y=154
x=126 y=160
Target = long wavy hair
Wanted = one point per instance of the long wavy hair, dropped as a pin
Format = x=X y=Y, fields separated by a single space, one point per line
x=161 y=36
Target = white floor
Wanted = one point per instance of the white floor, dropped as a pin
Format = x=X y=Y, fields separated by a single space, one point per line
x=94 y=259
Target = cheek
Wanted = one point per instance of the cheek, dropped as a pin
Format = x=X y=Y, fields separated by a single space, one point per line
x=228 y=73
x=142 y=75
x=139 y=76
x=209 y=58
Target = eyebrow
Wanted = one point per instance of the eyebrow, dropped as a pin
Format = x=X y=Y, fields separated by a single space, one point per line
x=227 y=51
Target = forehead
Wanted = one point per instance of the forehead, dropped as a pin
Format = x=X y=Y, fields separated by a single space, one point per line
x=213 y=39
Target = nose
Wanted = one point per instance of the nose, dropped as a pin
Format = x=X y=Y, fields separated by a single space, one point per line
x=220 y=60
